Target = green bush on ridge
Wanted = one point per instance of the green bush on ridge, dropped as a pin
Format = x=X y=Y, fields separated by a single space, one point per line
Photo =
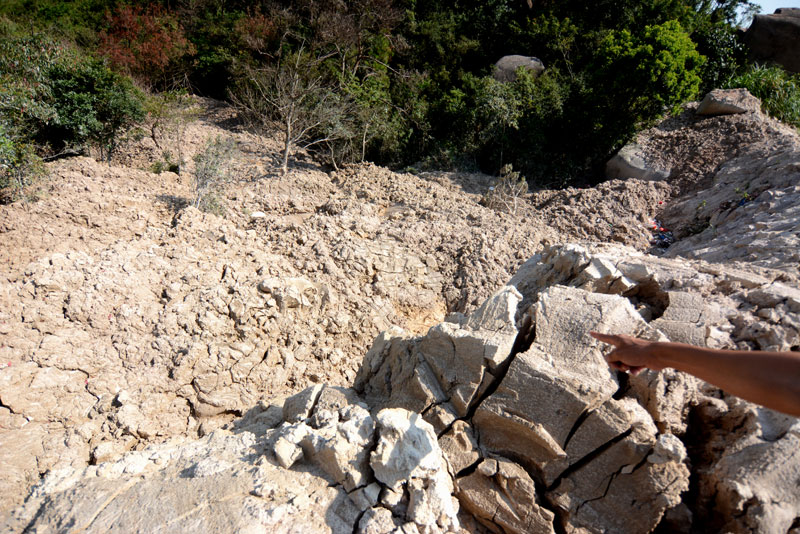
x=778 y=90
x=53 y=101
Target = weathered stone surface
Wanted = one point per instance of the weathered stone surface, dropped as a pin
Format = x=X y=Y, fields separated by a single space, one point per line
x=751 y=480
x=775 y=38
x=502 y=496
x=367 y=496
x=407 y=454
x=552 y=410
x=298 y=407
x=377 y=521
x=621 y=477
x=629 y=162
x=667 y=396
x=125 y=323
x=287 y=448
x=728 y=102
x=751 y=214
x=464 y=357
x=407 y=448
x=411 y=383
x=562 y=377
x=213 y=485
x=341 y=448
x=460 y=447
x=453 y=362
x=505 y=70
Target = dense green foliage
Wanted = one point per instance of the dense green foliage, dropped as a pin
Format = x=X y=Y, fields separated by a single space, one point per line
x=636 y=78
x=778 y=90
x=55 y=100
x=91 y=104
x=399 y=82
x=62 y=98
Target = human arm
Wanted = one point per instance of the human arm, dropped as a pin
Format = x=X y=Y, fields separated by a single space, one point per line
x=771 y=379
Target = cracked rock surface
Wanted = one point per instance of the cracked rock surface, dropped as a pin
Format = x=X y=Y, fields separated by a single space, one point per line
x=506 y=419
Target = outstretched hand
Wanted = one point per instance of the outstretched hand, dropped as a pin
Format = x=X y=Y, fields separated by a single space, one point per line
x=630 y=354
x=771 y=379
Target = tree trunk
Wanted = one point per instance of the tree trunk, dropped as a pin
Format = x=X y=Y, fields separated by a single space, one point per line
x=287 y=145
x=285 y=163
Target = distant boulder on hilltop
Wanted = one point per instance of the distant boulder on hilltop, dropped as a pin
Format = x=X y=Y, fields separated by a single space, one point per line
x=776 y=38
x=505 y=70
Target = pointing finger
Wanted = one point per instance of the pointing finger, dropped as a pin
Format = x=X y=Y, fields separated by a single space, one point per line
x=605 y=338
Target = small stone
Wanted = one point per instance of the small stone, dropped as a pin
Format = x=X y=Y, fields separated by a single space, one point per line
x=298 y=407
x=286 y=453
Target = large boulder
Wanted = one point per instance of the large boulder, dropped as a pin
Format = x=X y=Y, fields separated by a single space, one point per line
x=505 y=70
x=728 y=102
x=776 y=38
x=630 y=162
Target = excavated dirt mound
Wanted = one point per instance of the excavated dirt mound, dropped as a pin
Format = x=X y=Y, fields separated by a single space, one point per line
x=129 y=318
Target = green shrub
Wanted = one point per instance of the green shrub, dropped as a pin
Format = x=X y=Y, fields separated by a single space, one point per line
x=724 y=52
x=167 y=163
x=516 y=120
x=20 y=166
x=642 y=76
x=57 y=99
x=778 y=90
x=634 y=79
x=25 y=105
x=93 y=104
x=25 y=92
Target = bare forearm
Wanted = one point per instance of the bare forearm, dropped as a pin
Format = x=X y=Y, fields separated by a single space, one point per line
x=771 y=379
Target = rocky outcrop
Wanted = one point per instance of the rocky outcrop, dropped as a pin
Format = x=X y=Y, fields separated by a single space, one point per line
x=508 y=418
x=728 y=102
x=147 y=352
x=125 y=321
x=548 y=414
x=359 y=474
x=776 y=38
x=505 y=70
x=750 y=215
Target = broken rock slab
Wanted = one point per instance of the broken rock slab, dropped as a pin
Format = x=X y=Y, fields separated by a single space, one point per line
x=502 y=496
x=555 y=414
x=408 y=455
x=394 y=453
x=618 y=469
x=751 y=479
x=219 y=483
x=728 y=102
x=446 y=371
x=562 y=377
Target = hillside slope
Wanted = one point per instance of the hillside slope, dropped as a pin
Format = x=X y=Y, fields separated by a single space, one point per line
x=130 y=320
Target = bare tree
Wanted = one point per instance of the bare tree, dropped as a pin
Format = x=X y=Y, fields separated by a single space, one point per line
x=293 y=98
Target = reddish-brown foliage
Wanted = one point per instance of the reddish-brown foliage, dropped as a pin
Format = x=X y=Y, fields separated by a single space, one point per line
x=144 y=43
x=257 y=31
